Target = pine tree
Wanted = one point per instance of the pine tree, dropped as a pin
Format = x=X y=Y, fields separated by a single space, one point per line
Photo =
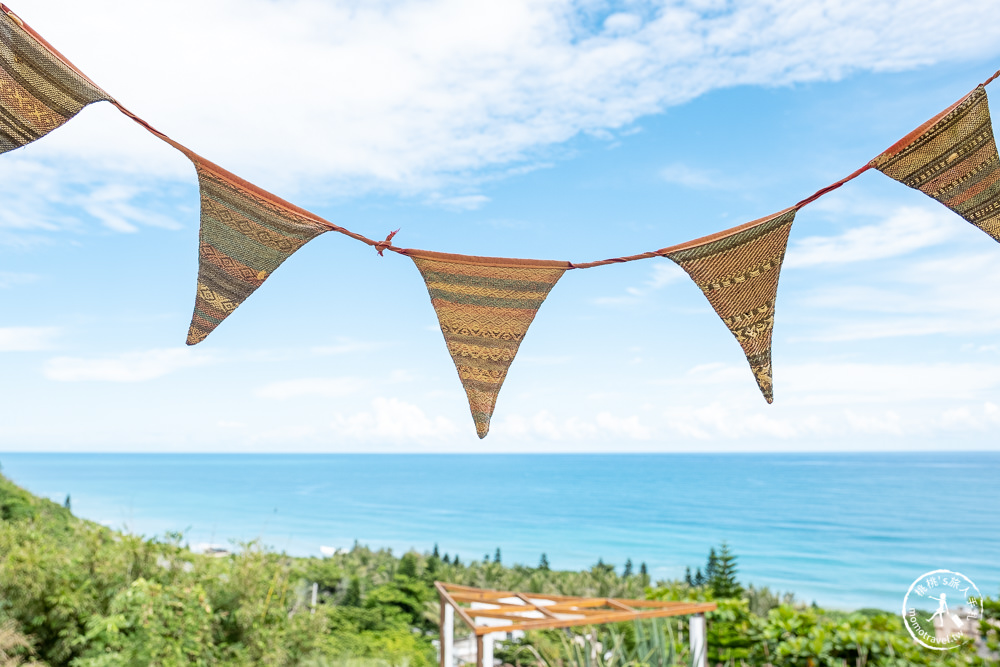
x=455 y=562
x=699 y=578
x=496 y=556
x=436 y=553
x=627 y=571
x=643 y=570
x=352 y=596
x=723 y=580
x=543 y=563
x=687 y=576
x=446 y=560
x=711 y=565
x=408 y=565
x=66 y=503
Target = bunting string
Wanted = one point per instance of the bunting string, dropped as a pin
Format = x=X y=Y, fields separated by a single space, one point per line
x=485 y=305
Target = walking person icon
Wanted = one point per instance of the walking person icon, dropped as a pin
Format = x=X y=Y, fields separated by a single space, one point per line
x=943 y=609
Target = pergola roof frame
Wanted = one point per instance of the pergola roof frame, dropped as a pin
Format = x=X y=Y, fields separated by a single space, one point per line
x=537 y=611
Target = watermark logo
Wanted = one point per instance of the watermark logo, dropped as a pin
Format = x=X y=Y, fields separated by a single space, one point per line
x=941 y=609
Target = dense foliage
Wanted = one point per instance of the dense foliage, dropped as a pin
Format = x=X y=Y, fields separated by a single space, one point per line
x=76 y=593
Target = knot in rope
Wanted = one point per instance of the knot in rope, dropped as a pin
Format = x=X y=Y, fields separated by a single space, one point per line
x=382 y=246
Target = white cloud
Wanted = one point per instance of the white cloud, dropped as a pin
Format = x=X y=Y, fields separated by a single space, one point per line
x=344 y=346
x=401 y=93
x=394 y=420
x=952 y=294
x=544 y=425
x=622 y=22
x=320 y=387
x=26 y=339
x=460 y=202
x=127 y=367
x=9 y=279
x=908 y=229
x=690 y=177
x=661 y=274
x=848 y=383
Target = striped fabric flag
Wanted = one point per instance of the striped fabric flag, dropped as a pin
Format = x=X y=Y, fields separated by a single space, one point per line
x=38 y=91
x=738 y=273
x=484 y=306
x=953 y=158
x=246 y=233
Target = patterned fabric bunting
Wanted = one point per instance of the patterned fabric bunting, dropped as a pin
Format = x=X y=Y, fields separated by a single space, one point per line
x=38 y=91
x=954 y=161
x=246 y=234
x=739 y=274
x=484 y=306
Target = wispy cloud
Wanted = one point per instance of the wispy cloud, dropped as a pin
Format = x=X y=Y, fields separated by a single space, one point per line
x=691 y=177
x=26 y=339
x=953 y=294
x=459 y=202
x=906 y=230
x=127 y=367
x=305 y=387
x=9 y=279
x=413 y=91
x=392 y=419
x=545 y=426
x=661 y=274
x=345 y=346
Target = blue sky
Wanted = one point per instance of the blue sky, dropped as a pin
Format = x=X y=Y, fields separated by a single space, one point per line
x=548 y=129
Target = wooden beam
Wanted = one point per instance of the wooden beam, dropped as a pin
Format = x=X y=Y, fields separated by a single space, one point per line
x=539 y=607
x=598 y=619
x=618 y=604
x=579 y=602
x=458 y=610
x=507 y=607
x=479 y=651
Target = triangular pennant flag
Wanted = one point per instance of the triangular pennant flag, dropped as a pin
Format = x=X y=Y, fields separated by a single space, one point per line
x=38 y=91
x=738 y=272
x=954 y=160
x=484 y=306
x=246 y=233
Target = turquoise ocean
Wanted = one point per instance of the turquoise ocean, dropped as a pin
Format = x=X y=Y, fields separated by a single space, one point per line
x=844 y=530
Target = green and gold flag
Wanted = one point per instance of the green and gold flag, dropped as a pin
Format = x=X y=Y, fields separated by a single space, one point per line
x=954 y=160
x=738 y=273
x=246 y=233
x=485 y=306
x=38 y=90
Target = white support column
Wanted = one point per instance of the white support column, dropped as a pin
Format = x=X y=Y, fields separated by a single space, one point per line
x=699 y=640
x=448 y=636
x=488 y=649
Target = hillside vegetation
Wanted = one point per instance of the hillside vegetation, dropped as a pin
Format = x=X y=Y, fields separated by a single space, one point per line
x=76 y=593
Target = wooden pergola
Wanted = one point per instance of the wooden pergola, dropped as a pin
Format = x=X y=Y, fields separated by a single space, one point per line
x=488 y=613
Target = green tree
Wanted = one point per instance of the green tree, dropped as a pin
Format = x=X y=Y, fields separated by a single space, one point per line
x=627 y=570
x=721 y=573
x=543 y=563
x=408 y=565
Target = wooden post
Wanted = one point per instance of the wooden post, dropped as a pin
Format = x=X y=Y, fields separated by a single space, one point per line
x=479 y=651
x=447 y=634
x=699 y=640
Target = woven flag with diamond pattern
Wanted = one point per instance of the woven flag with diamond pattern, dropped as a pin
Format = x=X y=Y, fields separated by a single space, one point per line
x=484 y=306
x=738 y=273
x=39 y=91
x=246 y=233
x=953 y=158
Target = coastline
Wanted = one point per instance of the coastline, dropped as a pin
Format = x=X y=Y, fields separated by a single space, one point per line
x=826 y=536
